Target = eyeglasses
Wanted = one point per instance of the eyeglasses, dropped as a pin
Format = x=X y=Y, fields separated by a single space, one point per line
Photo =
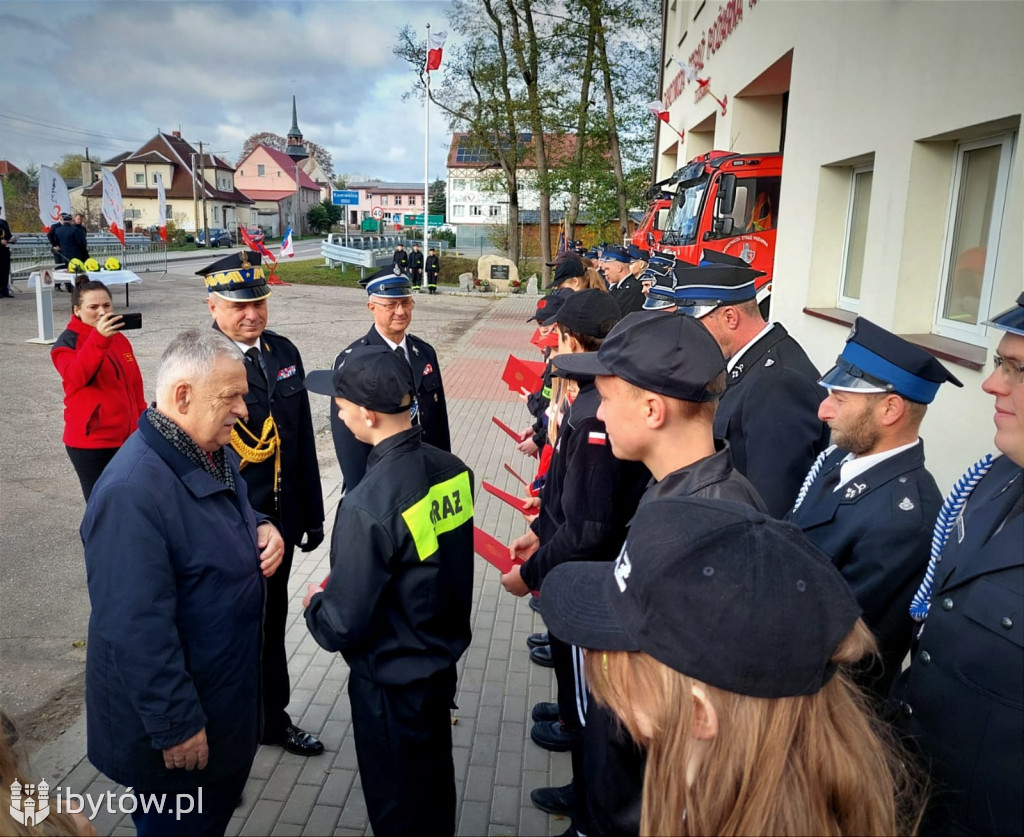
x=1012 y=371
x=397 y=304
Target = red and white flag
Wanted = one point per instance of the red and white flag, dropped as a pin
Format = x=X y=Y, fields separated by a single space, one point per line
x=161 y=199
x=435 y=44
x=659 y=110
x=113 y=207
x=53 y=197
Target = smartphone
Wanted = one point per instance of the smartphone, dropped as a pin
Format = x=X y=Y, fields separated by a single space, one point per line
x=131 y=321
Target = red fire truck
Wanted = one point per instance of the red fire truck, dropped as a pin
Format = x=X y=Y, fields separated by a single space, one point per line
x=722 y=201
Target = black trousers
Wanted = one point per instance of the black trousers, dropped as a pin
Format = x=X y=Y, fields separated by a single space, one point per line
x=5 y=270
x=614 y=766
x=89 y=464
x=572 y=708
x=219 y=800
x=403 y=738
x=276 y=685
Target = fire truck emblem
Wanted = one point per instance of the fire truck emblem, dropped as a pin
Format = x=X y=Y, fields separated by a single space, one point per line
x=747 y=254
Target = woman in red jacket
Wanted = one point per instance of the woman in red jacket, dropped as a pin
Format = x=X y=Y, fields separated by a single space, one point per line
x=103 y=396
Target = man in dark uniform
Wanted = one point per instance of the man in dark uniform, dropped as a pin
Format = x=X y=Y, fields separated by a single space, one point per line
x=6 y=240
x=416 y=267
x=624 y=287
x=68 y=240
x=433 y=267
x=769 y=412
x=400 y=259
x=868 y=501
x=278 y=461
x=962 y=699
x=391 y=303
x=659 y=377
x=398 y=600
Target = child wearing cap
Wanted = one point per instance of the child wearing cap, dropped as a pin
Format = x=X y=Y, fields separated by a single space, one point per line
x=397 y=602
x=721 y=638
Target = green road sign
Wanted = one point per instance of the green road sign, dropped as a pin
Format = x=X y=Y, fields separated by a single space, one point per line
x=417 y=220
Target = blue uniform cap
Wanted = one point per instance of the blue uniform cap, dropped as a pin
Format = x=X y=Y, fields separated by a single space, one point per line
x=638 y=254
x=876 y=360
x=1012 y=319
x=388 y=282
x=700 y=290
x=662 y=293
x=614 y=253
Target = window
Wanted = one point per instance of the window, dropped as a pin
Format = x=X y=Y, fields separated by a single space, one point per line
x=261 y=171
x=458 y=184
x=476 y=210
x=383 y=200
x=980 y=179
x=216 y=215
x=494 y=211
x=155 y=178
x=856 y=237
x=132 y=214
x=458 y=210
x=398 y=200
x=168 y=215
x=140 y=178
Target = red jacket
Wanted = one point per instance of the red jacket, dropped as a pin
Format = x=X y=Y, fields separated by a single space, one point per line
x=103 y=396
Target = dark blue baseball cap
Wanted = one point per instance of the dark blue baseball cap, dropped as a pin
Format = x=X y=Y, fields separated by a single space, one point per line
x=1012 y=319
x=876 y=360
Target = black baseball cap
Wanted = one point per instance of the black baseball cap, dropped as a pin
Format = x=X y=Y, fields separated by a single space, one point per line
x=547 y=306
x=374 y=377
x=715 y=590
x=591 y=312
x=567 y=266
x=662 y=352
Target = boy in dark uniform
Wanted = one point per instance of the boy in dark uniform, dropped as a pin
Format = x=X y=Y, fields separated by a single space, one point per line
x=397 y=603
x=400 y=259
x=416 y=267
x=433 y=267
x=6 y=240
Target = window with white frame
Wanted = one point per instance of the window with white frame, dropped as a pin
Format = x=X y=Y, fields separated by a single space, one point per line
x=856 y=237
x=398 y=200
x=494 y=211
x=140 y=178
x=261 y=171
x=980 y=179
x=476 y=210
x=383 y=200
x=168 y=215
x=458 y=210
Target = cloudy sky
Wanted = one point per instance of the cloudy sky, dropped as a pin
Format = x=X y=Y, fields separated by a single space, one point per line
x=109 y=75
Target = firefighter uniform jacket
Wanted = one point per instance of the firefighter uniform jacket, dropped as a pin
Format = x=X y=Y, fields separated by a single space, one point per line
x=962 y=699
x=397 y=605
x=431 y=414
x=628 y=295
x=769 y=416
x=433 y=265
x=401 y=258
x=416 y=264
x=877 y=528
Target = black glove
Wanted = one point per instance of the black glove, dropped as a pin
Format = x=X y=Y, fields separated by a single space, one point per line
x=314 y=537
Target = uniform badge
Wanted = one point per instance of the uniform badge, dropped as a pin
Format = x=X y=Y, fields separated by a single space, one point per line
x=769 y=362
x=906 y=505
x=854 y=490
x=428 y=369
x=287 y=372
x=622 y=569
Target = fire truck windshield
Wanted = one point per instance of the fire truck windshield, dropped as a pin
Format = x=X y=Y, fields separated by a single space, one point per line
x=683 y=219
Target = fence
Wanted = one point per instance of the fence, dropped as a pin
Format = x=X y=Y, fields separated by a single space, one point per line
x=141 y=255
x=367 y=250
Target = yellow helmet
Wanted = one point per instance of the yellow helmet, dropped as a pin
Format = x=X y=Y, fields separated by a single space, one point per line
x=76 y=266
x=112 y=264
x=92 y=264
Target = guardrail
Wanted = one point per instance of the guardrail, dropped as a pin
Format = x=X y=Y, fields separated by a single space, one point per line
x=366 y=250
x=141 y=255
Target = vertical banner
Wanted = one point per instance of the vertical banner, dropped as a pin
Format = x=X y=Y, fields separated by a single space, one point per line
x=113 y=208
x=161 y=200
x=53 y=197
x=3 y=206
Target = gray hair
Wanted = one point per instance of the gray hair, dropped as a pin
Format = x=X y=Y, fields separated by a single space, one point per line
x=192 y=355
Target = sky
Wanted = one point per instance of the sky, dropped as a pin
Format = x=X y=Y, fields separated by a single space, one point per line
x=110 y=75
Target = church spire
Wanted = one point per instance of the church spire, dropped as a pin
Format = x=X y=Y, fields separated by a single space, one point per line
x=295 y=148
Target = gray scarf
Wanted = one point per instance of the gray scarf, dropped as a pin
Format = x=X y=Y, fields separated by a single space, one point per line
x=215 y=464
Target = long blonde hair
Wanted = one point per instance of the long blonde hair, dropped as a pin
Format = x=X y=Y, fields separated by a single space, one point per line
x=814 y=764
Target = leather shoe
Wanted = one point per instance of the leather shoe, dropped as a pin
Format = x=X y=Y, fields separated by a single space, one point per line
x=297 y=741
x=537 y=640
x=553 y=736
x=541 y=655
x=557 y=801
x=546 y=710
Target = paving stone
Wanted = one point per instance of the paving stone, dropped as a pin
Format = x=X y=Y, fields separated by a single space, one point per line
x=281 y=782
x=266 y=761
x=263 y=817
x=346 y=757
x=485 y=750
x=354 y=815
x=509 y=770
x=322 y=820
x=284 y=829
x=534 y=821
x=314 y=718
x=475 y=818
x=460 y=756
x=332 y=734
x=299 y=804
x=336 y=787
x=479 y=784
x=488 y=720
x=250 y=796
x=234 y=827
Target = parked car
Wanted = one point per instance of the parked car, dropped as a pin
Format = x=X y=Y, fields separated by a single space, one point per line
x=255 y=233
x=219 y=237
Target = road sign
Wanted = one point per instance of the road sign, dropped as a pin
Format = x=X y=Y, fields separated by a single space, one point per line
x=417 y=220
x=345 y=197
x=377 y=212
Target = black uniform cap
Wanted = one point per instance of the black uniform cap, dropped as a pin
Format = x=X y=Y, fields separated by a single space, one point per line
x=374 y=377
x=876 y=360
x=237 y=278
x=657 y=351
x=567 y=266
x=547 y=306
x=1012 y=319
x=700 y=290
x=591 y=312
x=718 y=591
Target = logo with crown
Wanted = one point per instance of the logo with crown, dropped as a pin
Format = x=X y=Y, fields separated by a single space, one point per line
x=30 y=804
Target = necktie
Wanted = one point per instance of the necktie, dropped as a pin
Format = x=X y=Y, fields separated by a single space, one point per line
x=253 y=356
x=831 y=480
x=401 y=353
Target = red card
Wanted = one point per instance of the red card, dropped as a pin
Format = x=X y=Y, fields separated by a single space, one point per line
x=492 y=550
x=512 y=471
x=522 y=376
x=536 y=338
x=518 y=503
x=517 y=436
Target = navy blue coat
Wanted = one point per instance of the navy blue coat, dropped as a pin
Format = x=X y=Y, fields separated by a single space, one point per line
x=878 y=531
x=177 y=609
x=769 y=416
x=962 y=699
x=432 y=407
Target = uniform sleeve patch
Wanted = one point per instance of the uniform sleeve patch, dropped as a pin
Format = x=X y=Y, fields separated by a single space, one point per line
x=447 y=506
x=597 y=438
x=287 y=372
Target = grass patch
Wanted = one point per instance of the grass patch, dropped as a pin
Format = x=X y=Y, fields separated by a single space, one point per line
x=314 y=272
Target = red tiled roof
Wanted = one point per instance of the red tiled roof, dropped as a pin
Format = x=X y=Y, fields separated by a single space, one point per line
x=287 y=165
x=269 y=194
x=8 y=168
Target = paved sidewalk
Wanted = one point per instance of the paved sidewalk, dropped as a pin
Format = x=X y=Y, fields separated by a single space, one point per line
x=496 y=765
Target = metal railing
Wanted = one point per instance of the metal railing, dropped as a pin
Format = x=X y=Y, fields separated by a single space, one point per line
x=365 y=250
x=140 y=255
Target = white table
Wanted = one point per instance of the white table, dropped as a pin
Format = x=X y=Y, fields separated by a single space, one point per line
x=107 y=277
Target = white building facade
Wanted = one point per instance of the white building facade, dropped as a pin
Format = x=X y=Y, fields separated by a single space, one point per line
x=901 y=194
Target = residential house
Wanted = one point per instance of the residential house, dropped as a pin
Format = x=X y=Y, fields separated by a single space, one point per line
x=396 y=200
x=268 y=178
x=192 y=182
x=7 y=167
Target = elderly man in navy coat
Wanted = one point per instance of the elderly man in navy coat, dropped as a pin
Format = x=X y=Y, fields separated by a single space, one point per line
x=868 y=501
x=176 y=560
x=962 y=699
x=391 y=303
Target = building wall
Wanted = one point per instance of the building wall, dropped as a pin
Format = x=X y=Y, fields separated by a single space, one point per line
x=274 y=177
x=898 y=87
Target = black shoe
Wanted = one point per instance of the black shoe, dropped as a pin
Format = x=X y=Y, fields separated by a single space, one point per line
x=553 y=736
x=542 y=656
x=537 y=640
x=545 y=711
x=557 y=801
x=297 y=741
x=534 y=604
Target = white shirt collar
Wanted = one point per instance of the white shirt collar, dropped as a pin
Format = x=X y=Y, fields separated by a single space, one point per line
x=392 y=344
x=735 y=358
x=246 y=346
x=853 y=466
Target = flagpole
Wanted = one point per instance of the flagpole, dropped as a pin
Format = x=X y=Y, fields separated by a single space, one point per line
x=426 y=164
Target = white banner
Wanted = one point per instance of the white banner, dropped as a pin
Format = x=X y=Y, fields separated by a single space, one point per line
x=53 y=197
x=3 y=206
x=161 y=199
x=113 y=208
